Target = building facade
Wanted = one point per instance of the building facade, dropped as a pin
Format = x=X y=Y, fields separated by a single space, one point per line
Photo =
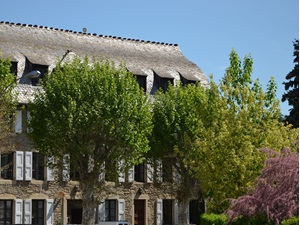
x=31 y=192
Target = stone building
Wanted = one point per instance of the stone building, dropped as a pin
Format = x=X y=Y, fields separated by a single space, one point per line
x=32 y=193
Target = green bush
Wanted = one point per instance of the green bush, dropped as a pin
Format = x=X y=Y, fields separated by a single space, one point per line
x=290 y=221
x=259 y=220
x=213 y=219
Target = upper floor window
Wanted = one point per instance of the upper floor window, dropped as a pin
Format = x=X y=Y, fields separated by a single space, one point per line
x=29 y=66
x=7 y=166
x=142 y=81
x=185 y=81
x=161 y=83
x=14 y=68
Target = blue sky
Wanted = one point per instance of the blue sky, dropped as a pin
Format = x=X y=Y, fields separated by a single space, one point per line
x=206 y=31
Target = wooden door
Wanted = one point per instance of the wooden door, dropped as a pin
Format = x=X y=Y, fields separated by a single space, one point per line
x=139 y=212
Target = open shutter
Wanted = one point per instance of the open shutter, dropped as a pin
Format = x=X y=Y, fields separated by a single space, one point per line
x=150 y=172
x=159 y=212
x=27 y=211
x=101 y=212
x=159 y=175
x=19 y=165
x=176 y=212
x=131 y=174
x=50 y=170
x=121 y=171
x=66 y=168
x=121 y=209
x=18 y=124
x=28 y=165
x=102 y=172
x=18 y=211
x=49 y=212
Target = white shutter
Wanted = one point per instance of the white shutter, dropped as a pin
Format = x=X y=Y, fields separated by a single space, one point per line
x=121 y=209
x=101 y=212
x=159 y=175
x=102 y=172
x=176 y=212
x=18 y=124
x=19 y=165
x=49 y=211
x=18 y=211
x=131 y=174
x=50 y=170
x=121 y=170
x=27 y=211
x=66 y=168
x=159 y=212
x=150 y=172
x=28 y=165
x=28 y=120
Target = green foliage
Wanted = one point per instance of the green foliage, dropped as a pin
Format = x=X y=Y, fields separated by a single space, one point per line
x=259 y=220
x=291 y=221
x=213 y=219
x=7 y=102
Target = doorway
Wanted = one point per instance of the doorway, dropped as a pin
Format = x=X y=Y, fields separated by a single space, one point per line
x=139 y=212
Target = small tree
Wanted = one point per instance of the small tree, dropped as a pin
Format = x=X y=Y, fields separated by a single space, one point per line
x=292 y=88
x=276 y=190
x=97 y=115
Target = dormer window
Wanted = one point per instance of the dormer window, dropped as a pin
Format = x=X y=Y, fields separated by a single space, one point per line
x=43 y=69
x=14 y=68
x=142 y=81
x=162 y=82
x=185 y=81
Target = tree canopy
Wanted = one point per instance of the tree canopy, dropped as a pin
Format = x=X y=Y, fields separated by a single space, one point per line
x=292 y=88
x=7 y=103
x=94 y=112
x=213 y=135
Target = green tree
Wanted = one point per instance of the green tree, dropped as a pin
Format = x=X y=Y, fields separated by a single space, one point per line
x=244 y=119
x=7 y=104
x=97 y=115
x=213 y=135
x=292 y=88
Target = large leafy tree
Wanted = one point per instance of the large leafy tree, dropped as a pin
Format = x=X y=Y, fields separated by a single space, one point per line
x=7 y=104
x=292 y=88
x=212 y=135
x=276 y=191
x=243 y=119
x=97 y=115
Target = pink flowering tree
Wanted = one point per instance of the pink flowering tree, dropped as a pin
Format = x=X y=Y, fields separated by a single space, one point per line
x=276 y=191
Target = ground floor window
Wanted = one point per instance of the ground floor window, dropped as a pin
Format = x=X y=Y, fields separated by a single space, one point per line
x=5 y=212
x=167 y=211
x=110 y=210
x=38 y=209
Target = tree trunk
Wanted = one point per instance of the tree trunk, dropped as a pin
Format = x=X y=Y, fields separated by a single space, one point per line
x=183 y=212
x=88 y=203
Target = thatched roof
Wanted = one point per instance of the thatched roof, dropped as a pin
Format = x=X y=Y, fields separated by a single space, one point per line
x=45 y=46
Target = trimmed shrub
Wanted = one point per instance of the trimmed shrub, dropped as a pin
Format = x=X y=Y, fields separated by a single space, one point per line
x=258 y=220
x=213 y=219
x=291 y=221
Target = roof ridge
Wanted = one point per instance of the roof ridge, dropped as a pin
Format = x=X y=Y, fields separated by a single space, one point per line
x=87 y=34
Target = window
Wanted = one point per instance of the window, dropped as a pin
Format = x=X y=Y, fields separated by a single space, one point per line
x=31 y=66
x=14 y=68
x=5 y=212
x=74 y=173
x=139 y=172
x=37 y=215
x=167 y=212
x=110 y=210
x=185 y=81
x=31 y=165
x=142 y=81
x=162 y=82
x=38 y=167
x=167 y=171
x=7 y=166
